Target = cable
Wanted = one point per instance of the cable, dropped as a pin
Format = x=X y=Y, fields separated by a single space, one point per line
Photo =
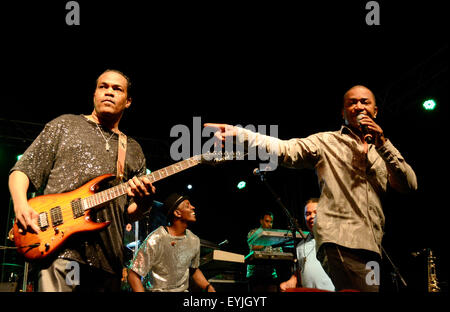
x=14 y=247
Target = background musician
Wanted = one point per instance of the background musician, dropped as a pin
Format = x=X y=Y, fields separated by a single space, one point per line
x=70 y=151
x=311 y=272
x=263 y=277
x=170 y=254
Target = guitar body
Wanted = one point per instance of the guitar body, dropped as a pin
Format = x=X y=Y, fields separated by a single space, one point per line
x=57 y=221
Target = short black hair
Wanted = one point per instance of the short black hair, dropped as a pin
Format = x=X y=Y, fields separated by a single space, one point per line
x=312 y=200
x=267 y=212
x=377 y=94
x=129 y=84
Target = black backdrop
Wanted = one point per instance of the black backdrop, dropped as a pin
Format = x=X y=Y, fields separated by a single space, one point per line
x=259 y=64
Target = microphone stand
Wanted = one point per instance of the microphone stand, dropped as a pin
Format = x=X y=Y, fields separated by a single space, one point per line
x=396 y=273
x=293 y=223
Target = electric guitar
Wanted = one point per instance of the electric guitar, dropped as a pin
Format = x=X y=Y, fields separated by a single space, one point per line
x=62 y=215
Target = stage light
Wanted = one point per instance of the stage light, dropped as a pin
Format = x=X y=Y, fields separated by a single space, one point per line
x=148 y=171
x=241 y=185
x=19 y=156
x=189 y=186
x=429 y=105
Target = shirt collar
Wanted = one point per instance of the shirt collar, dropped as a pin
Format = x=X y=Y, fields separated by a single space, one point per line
x=347 y=130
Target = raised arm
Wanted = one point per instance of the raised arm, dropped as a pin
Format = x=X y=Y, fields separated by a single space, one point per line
x=300 y=153
x=401 y=176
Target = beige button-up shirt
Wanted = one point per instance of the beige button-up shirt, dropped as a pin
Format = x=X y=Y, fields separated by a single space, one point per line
x=349 y=212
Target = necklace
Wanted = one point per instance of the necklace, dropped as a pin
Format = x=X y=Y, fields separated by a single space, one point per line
x=106 y=140
x=304 y=252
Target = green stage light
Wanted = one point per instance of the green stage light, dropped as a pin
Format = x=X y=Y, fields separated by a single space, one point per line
x=429 y=105
x=241 y=185
x=19 y=156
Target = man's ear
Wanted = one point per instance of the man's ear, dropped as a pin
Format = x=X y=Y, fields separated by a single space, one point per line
x=177 y=213
x=128 y=104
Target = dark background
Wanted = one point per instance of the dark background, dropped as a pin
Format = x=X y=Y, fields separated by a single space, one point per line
x=255 y=63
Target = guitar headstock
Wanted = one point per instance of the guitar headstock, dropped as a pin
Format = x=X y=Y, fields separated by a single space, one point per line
x=214 y=158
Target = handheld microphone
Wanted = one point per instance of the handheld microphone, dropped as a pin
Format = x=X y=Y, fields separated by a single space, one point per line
x=367 y=135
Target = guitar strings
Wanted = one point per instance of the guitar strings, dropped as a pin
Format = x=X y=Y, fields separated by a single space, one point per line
x=67 y=212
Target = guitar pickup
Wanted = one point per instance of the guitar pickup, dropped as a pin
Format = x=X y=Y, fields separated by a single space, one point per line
x=77 y=209
x=43 y=221
x=56 y=216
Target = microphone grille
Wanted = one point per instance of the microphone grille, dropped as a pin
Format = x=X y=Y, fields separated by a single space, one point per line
x=359 y=117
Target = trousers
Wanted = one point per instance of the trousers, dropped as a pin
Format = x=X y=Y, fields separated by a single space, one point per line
x=351 y=269
x=64 y=275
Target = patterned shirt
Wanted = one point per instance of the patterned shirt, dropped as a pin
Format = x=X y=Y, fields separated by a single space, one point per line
x=349 y=212
x=69 y=152
x=165 y=259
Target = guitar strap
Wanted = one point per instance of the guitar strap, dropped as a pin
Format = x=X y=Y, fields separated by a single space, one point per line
x=122 y=150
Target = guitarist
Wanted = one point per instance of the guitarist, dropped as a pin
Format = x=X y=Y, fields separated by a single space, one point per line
x=70 y=151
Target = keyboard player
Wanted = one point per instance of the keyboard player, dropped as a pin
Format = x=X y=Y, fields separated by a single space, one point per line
x=263 y=277
x=312 y=275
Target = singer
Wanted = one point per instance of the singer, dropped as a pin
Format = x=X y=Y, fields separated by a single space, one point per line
x=353 y=174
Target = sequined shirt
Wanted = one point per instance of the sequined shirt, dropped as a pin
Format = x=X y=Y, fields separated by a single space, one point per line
x=69 y=152
x=166 y=260
x=349 y=211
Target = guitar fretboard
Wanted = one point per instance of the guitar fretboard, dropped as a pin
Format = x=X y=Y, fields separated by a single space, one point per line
x=121 y=189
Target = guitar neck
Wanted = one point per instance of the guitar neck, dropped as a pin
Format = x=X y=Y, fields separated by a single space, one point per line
x=119 y=190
